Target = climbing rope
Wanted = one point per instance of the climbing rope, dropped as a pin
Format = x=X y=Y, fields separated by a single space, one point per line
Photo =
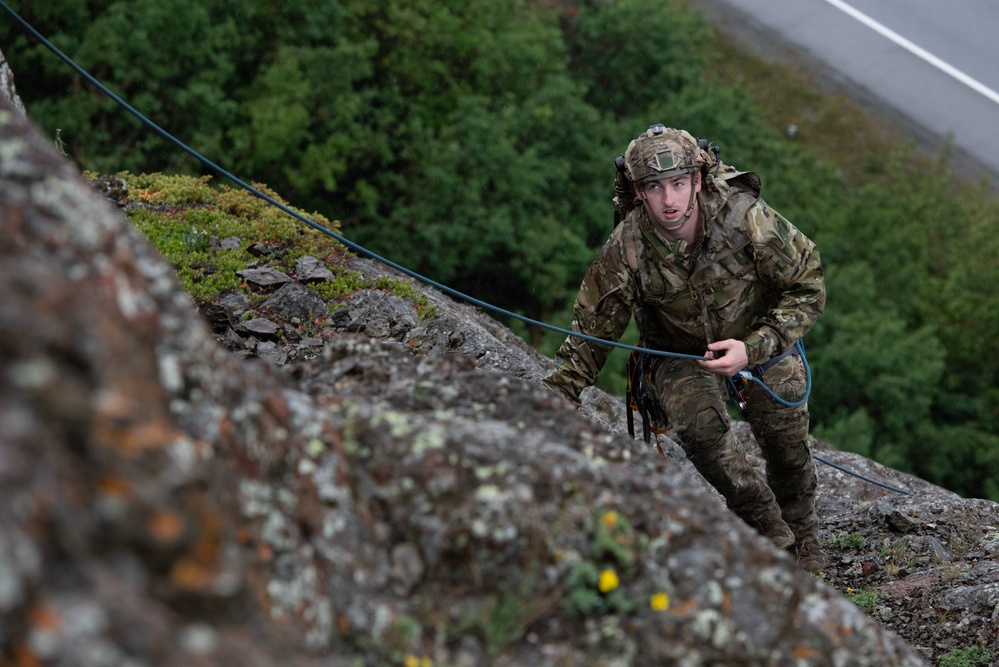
x=749 y=376
x=859 y=476
x=402 y=269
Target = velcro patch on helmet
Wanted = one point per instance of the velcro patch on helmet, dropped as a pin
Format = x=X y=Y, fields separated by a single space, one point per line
x=661 y=153
x=671 y=161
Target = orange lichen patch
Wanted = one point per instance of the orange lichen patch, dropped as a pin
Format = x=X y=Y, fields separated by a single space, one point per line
x=226 y=431
x=684 y=608
x=726 y=605
x=45 y=618
x=805 y=653
x=166 y=526
x=121 y=421
x=114 y=485
x=196 y=569
x=278 y=408
x=189 y=574
x=145 y=195
x=134 y=438
x=25 y=657
x=208 y=548
x=343 y=624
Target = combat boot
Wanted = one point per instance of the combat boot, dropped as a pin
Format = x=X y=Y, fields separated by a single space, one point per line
x=772 y=526
x=811 y=557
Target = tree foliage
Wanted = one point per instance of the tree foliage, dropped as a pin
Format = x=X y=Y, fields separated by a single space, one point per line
x=474 y=142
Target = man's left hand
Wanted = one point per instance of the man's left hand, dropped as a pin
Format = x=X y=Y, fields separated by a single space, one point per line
x=726 y=357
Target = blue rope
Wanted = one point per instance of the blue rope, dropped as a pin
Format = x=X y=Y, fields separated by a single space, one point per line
x=859 y=476
x=747 y=376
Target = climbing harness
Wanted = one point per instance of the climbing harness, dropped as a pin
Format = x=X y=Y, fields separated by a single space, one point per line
x=653 y=419
x=639 y=397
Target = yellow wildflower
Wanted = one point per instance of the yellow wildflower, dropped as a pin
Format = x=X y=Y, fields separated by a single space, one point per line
x=411 y=661
x=610 y=518
x=659 y=601
x=608 y=581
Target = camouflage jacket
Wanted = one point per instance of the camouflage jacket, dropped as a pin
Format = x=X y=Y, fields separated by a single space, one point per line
x=752 y=277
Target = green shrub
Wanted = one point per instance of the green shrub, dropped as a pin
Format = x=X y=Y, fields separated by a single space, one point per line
x=865 y=599
x=848 y=541
x=974 y=656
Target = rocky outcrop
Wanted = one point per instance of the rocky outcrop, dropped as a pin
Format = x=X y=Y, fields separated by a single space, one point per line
x=7 y=89
x=410 y=494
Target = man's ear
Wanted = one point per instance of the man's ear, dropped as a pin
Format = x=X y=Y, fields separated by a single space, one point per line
x=638 y=191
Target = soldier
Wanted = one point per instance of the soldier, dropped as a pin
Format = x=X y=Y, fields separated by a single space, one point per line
x=712 y=272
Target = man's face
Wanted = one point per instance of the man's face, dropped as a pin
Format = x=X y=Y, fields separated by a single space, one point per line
x=667 y=200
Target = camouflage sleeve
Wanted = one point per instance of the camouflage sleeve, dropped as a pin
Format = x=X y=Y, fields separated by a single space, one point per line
x=789 y=263
x=603 y=310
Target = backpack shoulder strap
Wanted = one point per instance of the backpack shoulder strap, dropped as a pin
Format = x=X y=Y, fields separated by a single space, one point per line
x=630 y=242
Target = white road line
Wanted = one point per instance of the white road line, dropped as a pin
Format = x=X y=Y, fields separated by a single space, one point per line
x=944 y=67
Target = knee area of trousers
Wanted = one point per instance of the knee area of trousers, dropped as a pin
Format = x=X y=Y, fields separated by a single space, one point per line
x=791 y=459
x=707 y=428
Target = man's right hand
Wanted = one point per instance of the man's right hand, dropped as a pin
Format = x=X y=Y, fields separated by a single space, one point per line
x=726 y=357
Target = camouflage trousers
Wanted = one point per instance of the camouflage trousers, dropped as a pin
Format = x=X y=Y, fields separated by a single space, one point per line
x=694 y=400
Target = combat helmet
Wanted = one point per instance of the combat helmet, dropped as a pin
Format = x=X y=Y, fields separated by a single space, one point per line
x=662 y=152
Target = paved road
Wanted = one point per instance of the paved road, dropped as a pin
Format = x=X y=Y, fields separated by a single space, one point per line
x=931 y=63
